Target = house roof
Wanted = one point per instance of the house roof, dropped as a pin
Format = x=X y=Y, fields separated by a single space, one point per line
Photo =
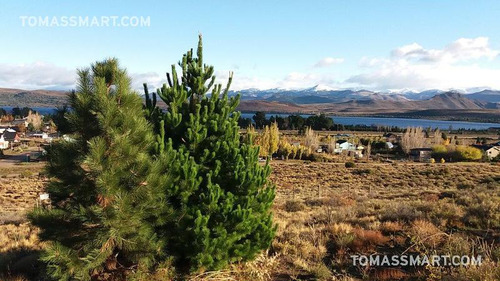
x=389 y=135
x=18 y=121
x=421 y=149
x=9 y=135
x=483 y=146
x=494 y=148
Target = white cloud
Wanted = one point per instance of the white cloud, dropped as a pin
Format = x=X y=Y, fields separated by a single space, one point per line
x=37 y=75
x=462 y=49
x=328 y=61
x=456 y=66
x=152 y=79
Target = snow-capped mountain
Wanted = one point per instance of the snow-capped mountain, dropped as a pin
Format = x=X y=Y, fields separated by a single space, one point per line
x=326 y=94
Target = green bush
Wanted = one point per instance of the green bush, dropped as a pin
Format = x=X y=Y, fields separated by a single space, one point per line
x=350 y=165
x=467 y=153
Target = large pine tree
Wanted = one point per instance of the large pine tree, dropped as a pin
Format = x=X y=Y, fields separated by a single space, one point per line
x=99 y=188
x=222 y=196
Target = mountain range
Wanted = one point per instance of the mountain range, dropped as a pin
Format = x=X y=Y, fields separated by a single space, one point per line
x=320 y=94
x=321 y=99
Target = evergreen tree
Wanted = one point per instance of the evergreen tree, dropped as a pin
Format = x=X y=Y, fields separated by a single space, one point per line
x=221 y=196
x=260 y=119
x=100 y=196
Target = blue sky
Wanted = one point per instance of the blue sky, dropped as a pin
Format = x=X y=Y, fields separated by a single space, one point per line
x=379 y=45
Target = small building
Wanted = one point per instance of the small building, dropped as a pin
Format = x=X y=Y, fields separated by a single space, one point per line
x=389 y=145
x=11 y=136
x=343 y=145
x=390 y=137
x=355 y=153
x=493 y=152
x=423 y=154
x=3 y=143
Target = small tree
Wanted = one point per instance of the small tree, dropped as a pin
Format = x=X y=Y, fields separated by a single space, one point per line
x=274 y=138
x=311 y=139
x=412 y=138
x=260 y=119
x=35 y=120
x=99 y=190
x=437 y=137
x=264 y=140
x=221 y=196
x=332 y=143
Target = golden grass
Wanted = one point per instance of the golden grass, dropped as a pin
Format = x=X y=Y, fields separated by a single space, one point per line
x=326 y=212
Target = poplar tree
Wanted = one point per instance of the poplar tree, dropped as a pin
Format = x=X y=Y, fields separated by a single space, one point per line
x=221 y=195
x=101 y=203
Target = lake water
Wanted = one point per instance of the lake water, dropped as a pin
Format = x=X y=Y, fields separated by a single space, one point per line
x=41 y=110
x=368 y=121
x=399 y=122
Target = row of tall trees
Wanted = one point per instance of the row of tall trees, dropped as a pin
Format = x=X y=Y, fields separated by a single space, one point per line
x=291 y=122
x=140 y=193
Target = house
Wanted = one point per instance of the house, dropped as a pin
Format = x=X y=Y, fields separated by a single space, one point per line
x=389 y=145
x=390 y=137
x=421 y=154
x=355 y=153
x=3 y=143
x=20 y=122
x=490 y=150
x=493 y=152
x=343 y=145
x=11 y=136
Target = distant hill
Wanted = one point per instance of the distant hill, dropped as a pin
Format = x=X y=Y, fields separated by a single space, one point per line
x=376 y=103
x=320 y=94
x=35 y=98
x=271 y=106
x=486 y=95
x=451 y=100
x=311 y=100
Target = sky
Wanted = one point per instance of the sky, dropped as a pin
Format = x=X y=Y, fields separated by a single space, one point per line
x=375 y=45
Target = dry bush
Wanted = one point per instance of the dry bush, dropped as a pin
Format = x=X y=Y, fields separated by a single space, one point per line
x=388 y=274
x=487 y=271
x=18 y=236
x=424 y=232
x=401 y=211
x=391 y=227
x=343 y=234
x=294 y=206
x=368 y=239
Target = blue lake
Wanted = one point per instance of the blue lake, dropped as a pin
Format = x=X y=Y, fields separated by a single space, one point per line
x=399 y=122
x=41 y=110
x=368 y=121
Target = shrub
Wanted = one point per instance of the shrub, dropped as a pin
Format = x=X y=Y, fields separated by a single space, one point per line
x=467 y=153
x=350 y=165
x=294 y=206
x=362 y=172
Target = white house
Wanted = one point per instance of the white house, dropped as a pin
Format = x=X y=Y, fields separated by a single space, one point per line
x=3 y=143
x=493 y=152
x=343 y=145
x=42 y=135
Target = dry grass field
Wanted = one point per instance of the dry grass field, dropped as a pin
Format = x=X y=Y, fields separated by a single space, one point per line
x=325 y=213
